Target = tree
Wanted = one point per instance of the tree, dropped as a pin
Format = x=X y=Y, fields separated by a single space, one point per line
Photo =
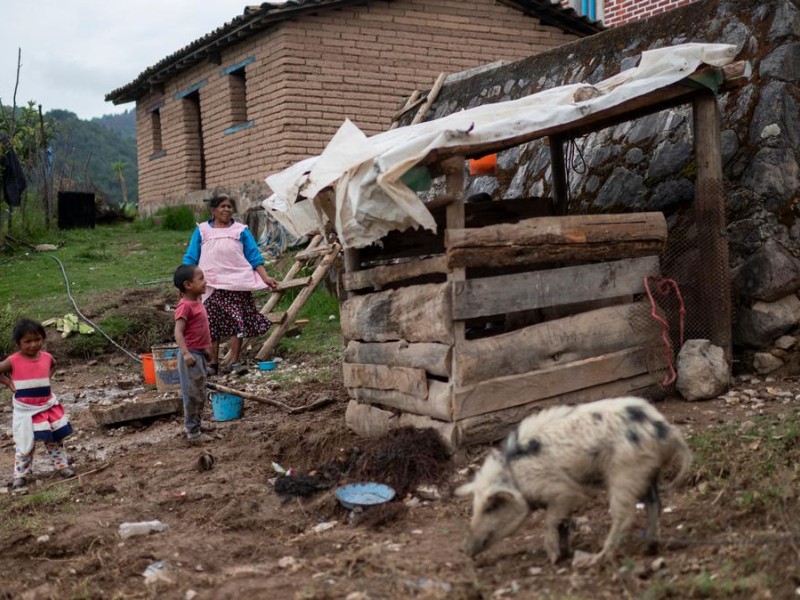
x=118 y=167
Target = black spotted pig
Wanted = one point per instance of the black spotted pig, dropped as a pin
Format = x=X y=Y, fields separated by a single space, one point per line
x=555 y=457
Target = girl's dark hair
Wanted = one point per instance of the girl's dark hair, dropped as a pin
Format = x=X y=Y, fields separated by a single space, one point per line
x=26 y=326
x=183 y=274
x=217 y=200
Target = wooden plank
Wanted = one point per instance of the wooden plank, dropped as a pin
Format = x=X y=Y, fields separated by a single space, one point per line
x=276 y=296
x=513 y=390
x=381 y=377
x=434 y=358
x=437 y=87
x=555 y=287
x=559 y=342
x=141 y=409
x=378 y=277
x=288 y=284
x=493 y=426
x=276 y=318
x=420 y=313
x=369 y=421
x=438 y=404
x=559 y=173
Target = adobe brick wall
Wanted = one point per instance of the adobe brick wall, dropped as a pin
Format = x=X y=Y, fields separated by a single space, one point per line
x=309 y=75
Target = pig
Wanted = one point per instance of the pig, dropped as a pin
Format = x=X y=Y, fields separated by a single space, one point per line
x=555 y=458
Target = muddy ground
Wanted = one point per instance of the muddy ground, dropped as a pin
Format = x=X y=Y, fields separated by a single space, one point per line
x=232 y=536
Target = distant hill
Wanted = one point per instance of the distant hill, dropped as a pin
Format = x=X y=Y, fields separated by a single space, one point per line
x=123 y=123
x=88 y=149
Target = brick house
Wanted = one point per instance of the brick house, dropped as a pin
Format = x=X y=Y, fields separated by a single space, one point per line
x=618 y=12
x=272 y=86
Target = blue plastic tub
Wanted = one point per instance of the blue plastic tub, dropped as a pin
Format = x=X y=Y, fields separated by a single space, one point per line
x=226 y=407
x=267 y=365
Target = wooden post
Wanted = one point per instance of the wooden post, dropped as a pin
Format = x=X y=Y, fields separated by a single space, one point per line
x=352 y=263
x=709 y=209
x=453 y=168
x=559 y=174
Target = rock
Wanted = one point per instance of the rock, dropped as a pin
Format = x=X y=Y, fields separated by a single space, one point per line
x=671 y=192
x=669 y=158
x=764 y=362
x=45 y=247
x=621 y=189
x=782 y=63
x=786 y=342
x=759 y=325
x=773 y=174
x=703 y=371
x=769 y=274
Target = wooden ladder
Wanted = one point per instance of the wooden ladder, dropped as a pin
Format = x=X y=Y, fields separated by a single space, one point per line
x=317 y=248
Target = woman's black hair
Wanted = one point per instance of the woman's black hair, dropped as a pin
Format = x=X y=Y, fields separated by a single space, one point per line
x=183 y=274
x=25 y=326
x=217 y=200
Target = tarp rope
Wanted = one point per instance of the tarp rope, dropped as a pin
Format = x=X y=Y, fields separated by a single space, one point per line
x=663 y=287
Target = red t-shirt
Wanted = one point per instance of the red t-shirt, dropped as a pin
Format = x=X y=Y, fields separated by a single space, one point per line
x=197 y=333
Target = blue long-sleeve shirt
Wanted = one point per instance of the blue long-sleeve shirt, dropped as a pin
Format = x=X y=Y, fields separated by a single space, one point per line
x=249 y=247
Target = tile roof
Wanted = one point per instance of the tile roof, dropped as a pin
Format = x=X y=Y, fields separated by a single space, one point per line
x=262 y=16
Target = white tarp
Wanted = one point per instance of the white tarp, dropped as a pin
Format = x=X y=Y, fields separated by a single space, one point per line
x=364 y=172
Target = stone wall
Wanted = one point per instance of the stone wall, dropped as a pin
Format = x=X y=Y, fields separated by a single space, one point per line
x=648 y=164
x=304 y=77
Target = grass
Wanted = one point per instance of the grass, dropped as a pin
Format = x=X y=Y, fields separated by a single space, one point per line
x=127 y=256
x=31 y=512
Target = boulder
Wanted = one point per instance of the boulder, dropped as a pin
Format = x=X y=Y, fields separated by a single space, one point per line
x=759 y=325
x=768 y=274
x=765 y=362
x=703 y=372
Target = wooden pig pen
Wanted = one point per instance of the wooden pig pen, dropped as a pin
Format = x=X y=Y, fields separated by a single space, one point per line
x=511 y=307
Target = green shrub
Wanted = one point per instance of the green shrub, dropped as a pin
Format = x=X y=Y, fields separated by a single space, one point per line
x=8 y=317
x=177 y=218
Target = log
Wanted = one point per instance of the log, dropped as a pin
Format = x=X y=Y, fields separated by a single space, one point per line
x=490 y=427
x=368 y=421
x=420 y=313
x=513 y=390
x=578 y=238
x=438 y=404
x=276 y=296
x=553 y=343
x=378 y=277
x=434 y=358
x=381 y=377
x=555 y=287
x=292 y=410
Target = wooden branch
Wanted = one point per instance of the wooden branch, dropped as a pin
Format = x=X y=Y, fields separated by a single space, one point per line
x=554 y=287
x=432 y=95
x=292 y=410
x=102 y=467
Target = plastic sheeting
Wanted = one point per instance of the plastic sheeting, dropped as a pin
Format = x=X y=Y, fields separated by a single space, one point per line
x=363 y=174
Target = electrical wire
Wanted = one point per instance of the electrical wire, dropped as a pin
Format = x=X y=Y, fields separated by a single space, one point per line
x=75 y=304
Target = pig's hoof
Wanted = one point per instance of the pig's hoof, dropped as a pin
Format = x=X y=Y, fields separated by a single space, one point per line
x=583 y=560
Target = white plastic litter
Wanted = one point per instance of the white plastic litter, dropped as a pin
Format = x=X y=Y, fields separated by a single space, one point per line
x=127 y=530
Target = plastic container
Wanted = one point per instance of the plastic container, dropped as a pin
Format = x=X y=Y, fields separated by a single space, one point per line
x=485 y=165
x=364 y=494
x=266 y=365
x=148 y=368
x=226 y=407
x=165 y=362
x=127 y=530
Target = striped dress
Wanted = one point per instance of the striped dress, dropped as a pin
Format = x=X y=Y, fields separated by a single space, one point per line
x=31 y=377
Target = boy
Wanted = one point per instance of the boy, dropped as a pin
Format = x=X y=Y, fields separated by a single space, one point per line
x=193 y=336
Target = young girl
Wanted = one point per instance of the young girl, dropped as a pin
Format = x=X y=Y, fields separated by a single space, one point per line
x=37 y=413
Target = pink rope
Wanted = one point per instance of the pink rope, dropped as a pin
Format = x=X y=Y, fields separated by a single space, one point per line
x=663 y=287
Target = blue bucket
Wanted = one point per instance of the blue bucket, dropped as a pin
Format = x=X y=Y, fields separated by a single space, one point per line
x=226 y=407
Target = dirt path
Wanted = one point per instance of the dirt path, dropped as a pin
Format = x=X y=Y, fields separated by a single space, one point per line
x=231 y=536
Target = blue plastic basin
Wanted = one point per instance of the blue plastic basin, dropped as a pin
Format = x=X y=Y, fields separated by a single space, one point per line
x=364 y=494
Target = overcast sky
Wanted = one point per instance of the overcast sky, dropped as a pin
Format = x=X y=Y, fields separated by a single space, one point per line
x=76 y=51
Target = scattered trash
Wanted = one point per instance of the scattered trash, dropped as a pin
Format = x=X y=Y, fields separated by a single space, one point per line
x=535 y=571
x=156 y=572
x=428 y=585
x=658 y=564
x=364 y=494
x=290 y=563
x=69 y=324
x=324 y=526
x=278 y=468
x=190 y=595
x=428 y=492
x=43 y=538
x=127 y=530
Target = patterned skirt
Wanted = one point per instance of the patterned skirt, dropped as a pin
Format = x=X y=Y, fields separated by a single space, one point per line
x=234 y=313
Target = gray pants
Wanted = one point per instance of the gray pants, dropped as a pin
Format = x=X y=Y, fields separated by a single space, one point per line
x=193 y=389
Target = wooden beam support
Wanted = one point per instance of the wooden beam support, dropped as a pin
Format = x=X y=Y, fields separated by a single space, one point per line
x=378 y=277
x=406 y=380
x=434 y=358
x=558 y=172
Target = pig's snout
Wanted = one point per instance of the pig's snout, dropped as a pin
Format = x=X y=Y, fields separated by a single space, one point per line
x=472 y=545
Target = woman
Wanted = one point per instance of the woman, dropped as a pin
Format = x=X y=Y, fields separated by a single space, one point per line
x=228 y=255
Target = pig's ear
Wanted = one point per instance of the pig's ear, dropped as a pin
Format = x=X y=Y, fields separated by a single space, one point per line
x=466 y=489
x=498 y=499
